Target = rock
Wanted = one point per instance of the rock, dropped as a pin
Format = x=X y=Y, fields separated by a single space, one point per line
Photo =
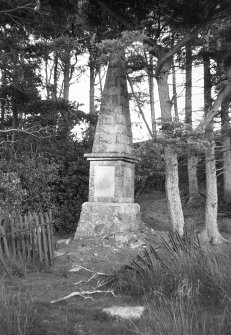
x=59 y=254
x=125 y=312
x=65 y=241
x=75 y=269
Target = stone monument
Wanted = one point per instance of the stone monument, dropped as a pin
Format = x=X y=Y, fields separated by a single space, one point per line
x=111 y=208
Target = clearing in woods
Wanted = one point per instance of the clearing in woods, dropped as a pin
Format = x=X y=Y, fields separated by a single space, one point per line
x=83 y=314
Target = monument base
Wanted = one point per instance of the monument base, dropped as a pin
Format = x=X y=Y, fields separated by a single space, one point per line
x=100 y=219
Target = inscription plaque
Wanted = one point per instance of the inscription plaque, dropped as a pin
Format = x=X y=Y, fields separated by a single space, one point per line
x=104 y=181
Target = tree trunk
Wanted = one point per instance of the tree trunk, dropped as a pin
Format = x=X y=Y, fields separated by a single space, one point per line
x=211 y=228
x=3 y=100
x=193 y=188
x=55 y=76
x=92 y=84
x=46 y=78
x=172 y=190
x=100 y=83
x=174 y=91
x=226 y=152
x=191 y=160
x=171 y=164
x=66 y=77
x=151 y=95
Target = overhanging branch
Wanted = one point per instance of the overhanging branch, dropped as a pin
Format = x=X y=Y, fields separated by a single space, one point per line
x=223 y=94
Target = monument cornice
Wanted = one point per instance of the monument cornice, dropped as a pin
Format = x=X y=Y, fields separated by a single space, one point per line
x=111 y=156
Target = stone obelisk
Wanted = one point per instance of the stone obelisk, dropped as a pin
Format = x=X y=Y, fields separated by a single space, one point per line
x=111 y=208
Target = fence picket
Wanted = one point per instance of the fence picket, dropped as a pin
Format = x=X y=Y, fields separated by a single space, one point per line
x=49 y=238
x=52 y=233
x=4 y=263
x=38 y=237
x=26 y=236
x=12 y=236
x=44 y=239
x=22 y=231
x=6 y=249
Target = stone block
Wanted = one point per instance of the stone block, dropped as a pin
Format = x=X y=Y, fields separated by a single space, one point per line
x=108 y=218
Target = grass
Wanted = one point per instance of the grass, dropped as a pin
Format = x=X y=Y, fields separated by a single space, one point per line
x=16 y=315
x=186 y=290
x=182 y=317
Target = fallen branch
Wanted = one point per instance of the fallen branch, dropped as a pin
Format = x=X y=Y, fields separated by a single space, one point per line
x=86 y=281
x=83 y=294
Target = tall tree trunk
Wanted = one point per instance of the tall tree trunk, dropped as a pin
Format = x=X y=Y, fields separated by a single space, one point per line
x=191 y=160
x=211 y=231
x=92 y=83
x=174 y=91
x=100 y=83
x=3 y=100
x=14 y=126
x=171 y=164
x=55 y=76
x=46 y=78
x=226 y=148
x=66 y=76
x=152 y=98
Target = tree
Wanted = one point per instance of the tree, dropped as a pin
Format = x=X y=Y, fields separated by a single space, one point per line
x=211 y=228
x=192 y=160
x=226 y=148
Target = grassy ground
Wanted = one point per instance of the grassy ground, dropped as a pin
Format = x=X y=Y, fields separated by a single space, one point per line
x=191 y=295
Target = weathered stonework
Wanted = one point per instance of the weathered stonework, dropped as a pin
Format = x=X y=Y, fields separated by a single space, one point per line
x=100 y=219
x=111 y=208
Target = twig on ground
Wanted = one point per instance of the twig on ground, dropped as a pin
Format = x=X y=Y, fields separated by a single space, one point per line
x=83 y=294
x=95 y=274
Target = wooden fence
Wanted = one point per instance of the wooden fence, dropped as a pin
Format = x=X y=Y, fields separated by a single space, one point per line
x=28 y=237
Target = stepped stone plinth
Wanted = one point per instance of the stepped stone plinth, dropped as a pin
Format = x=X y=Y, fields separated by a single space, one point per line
x=111 y=208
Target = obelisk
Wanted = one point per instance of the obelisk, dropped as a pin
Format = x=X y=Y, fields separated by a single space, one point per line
x=110 y=208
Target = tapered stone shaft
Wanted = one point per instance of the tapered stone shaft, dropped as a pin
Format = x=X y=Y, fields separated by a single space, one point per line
x=111 y=208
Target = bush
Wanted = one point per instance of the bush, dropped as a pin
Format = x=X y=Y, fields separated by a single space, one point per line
x=150 y=171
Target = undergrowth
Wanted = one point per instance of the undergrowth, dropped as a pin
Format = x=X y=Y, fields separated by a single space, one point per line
x=187 y=289
x=16 y=315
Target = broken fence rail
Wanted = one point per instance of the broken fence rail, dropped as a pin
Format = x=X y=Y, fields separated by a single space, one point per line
x=28 y=237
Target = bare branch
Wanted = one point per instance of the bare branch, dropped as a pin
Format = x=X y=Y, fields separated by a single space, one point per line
x=29 y=131
x=224 y=93
x=83 y=294
x=140 y=109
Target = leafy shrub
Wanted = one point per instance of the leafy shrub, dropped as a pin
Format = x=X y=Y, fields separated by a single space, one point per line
x=11 y=191
x=150 y=171
x=49 y=169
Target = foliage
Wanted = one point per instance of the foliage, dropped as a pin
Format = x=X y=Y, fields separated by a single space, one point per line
x=49 y=169
x=11 y=191
x=150 y=171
